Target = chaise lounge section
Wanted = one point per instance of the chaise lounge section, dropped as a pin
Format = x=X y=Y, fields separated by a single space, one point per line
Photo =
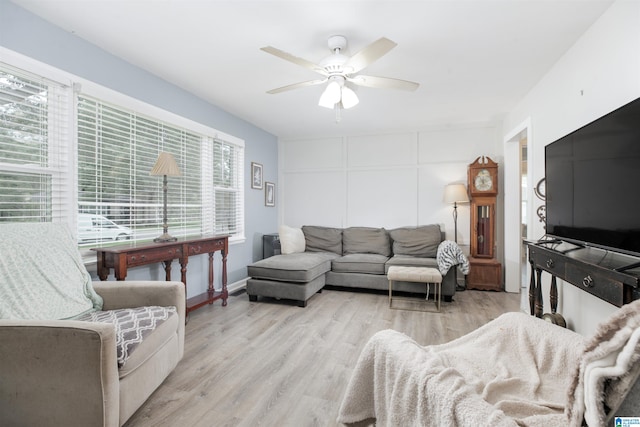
x=354 y=257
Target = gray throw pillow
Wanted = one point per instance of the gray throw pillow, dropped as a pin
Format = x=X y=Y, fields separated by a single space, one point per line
x=419 y=241
x=365 y=240
x=322 y=239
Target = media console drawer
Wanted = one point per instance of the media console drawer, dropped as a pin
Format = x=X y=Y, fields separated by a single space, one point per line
x=548 y=260
x=589 y=280
x=607 y=275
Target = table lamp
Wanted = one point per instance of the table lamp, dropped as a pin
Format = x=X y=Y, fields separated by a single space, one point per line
x=165 y=166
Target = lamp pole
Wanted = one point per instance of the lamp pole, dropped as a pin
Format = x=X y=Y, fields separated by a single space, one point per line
x=455 y=221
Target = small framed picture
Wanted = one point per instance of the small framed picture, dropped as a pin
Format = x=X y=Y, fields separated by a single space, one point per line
x=269 y=194
x=256 y=175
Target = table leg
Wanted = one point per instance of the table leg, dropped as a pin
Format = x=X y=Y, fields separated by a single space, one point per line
x=225 y=294
x=532 y=290
x=167 y=270
x=103 y=272
x=539 y=302
x=553 y=295
x=210 y=288
x=183 y=270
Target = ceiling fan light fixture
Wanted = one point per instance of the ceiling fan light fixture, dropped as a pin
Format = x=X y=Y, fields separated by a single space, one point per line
x=349 y=98
x=331 y=95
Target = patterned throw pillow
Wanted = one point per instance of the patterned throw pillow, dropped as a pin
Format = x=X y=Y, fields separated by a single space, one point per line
x=132 y=325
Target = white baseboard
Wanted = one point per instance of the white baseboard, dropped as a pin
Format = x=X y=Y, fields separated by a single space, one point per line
x=236 y=286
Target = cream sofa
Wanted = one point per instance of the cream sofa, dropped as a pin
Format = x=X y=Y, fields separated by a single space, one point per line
x=66 y=372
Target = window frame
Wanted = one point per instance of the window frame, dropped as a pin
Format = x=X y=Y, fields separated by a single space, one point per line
x=68 y=199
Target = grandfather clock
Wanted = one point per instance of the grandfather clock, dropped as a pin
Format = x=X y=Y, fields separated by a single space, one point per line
x=485 y=272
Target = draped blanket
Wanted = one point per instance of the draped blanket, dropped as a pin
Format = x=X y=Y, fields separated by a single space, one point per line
x=41 y=273
x=609 y=366
x=449 y=255
x=513 y=371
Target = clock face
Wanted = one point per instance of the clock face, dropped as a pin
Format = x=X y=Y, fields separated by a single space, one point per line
x=483 y=181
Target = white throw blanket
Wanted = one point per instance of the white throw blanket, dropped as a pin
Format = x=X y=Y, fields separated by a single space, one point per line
x=449 y=255
x=512 y=371
x=41 y=273
x=609 y=364
x=515 y=370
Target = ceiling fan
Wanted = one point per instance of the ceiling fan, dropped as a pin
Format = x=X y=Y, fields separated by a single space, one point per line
x=339 y=69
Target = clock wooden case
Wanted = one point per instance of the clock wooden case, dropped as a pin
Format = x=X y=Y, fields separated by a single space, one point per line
x=485 y=271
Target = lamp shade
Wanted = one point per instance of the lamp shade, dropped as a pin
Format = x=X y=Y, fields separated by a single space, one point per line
x=349 y=98
x=455 y=193
x=331 y=95
x=166 y=165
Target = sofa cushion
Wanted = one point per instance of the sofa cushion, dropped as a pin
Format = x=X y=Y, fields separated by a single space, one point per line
x=291 y=240
x=366 y=240
x=410 y=261
x=322 y=239
x=360 y=263
x=300 y=267
x=420 y=241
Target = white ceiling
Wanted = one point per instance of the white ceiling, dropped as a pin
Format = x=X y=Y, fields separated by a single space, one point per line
x=474 y=60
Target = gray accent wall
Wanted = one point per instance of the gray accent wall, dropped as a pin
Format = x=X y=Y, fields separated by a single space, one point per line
x=29 y=35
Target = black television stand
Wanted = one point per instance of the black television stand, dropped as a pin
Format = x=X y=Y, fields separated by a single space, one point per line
x=583 y=267
x=628 y=267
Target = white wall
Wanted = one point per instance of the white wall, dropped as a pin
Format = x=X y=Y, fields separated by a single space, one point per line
x=600 y=73
x=383 y=180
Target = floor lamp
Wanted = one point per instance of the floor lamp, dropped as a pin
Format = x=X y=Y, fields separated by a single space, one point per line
x=455 y=193
x=165 y=166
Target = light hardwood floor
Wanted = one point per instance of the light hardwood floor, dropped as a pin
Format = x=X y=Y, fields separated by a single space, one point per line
x=272 y=363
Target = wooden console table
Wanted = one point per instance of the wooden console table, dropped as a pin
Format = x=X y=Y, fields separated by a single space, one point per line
x=607 y=275
x=121 y=257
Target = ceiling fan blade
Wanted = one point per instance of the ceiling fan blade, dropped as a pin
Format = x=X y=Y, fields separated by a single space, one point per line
x=295 y=59
x=296 y=86
x=383 y=82
x=369 y=54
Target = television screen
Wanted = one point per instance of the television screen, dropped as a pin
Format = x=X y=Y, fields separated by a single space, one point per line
x=591 y=178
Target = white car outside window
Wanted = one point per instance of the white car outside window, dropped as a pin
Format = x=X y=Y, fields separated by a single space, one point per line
x=97 y=228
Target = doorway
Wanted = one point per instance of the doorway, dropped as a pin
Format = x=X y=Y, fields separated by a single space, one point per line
x=518 y=208
x=524 y=210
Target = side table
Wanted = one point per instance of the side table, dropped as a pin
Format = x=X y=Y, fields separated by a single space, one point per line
x=134 y=254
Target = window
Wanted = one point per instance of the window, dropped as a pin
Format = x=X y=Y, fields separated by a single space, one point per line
x=34 y=117
x=100 y=180
x=117 y=149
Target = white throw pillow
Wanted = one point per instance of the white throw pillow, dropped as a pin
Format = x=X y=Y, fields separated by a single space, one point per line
x=291 y=240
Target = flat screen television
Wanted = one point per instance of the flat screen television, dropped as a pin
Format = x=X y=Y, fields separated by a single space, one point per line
x=593 y=183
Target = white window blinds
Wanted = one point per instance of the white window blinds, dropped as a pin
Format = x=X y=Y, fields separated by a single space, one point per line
x=34 y=149
x=117 y=149
x=85 y=159
x=228 y=188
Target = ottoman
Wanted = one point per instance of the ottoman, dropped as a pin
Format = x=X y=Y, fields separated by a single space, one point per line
x=294 y=277
x=416 y=274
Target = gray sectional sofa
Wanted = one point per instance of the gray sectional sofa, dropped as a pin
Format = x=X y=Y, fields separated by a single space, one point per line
x=354 y=257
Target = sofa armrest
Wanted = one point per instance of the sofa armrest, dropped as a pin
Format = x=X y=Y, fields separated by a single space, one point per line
x=58 y=372
x=132 y=293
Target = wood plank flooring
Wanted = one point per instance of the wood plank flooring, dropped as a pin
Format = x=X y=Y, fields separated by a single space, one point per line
x=272 y=363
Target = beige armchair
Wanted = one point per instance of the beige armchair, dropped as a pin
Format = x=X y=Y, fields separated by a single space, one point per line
x=66 y=372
